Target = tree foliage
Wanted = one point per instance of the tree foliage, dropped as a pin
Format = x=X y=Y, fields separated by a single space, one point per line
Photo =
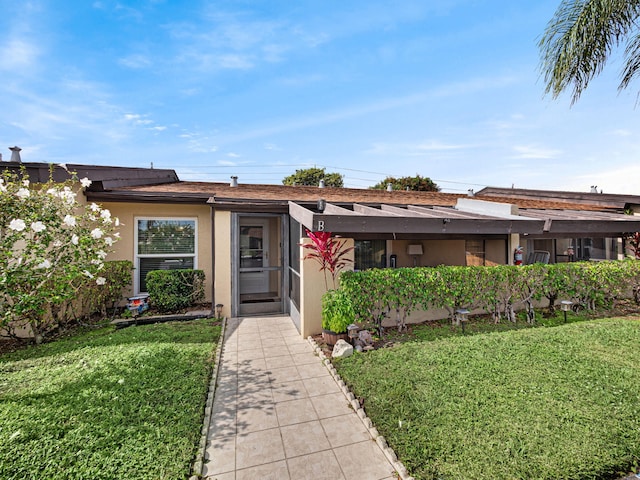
x=415 y=184
x=580 y=38
x=312 y=176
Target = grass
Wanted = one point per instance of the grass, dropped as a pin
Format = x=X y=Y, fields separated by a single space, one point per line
x=107 y=404
x=542 y=403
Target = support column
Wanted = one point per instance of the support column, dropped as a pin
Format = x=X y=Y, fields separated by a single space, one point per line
x=514 y=241
x=312 y=287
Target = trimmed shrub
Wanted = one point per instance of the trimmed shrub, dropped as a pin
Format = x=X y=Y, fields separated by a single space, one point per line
x=173 y=290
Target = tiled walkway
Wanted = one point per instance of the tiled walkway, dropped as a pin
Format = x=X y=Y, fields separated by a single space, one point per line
x=278 y=413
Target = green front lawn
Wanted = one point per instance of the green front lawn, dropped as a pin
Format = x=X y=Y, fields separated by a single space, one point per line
x=108 y=404
x=543 y=403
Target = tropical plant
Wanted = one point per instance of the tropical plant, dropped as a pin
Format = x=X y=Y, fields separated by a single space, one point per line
x=580 y=38
x=633 y=242
x=312 y=177
x=329 y=252
x=337 y=311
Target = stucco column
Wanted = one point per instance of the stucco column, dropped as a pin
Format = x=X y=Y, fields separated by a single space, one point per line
x=312 y=287
x=222 y=275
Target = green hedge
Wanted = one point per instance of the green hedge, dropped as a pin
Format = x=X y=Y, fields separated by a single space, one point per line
x=173 y=290
x=394 y=293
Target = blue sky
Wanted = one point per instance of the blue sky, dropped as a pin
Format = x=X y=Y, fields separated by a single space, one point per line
x=449 y=89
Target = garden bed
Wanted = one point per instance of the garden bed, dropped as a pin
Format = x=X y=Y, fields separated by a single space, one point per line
x=479 y=324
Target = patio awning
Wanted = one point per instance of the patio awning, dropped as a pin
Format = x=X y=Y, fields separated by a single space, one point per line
x=467 y=218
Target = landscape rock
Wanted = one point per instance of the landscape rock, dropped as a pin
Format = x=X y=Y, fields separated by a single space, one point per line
x=342 y=350
x=365 y=337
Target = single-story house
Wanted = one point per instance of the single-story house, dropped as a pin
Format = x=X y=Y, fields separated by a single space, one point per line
x=246 y=237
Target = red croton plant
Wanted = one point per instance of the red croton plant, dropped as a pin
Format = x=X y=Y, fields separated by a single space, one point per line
x=329 y=252
x=634 y=243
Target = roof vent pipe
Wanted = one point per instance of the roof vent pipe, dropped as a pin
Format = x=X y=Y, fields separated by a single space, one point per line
x=389 y=187
x=15 y=154
x=321 y=184
x=234 y=181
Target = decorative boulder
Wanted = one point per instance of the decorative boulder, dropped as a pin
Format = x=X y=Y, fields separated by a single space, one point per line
x=365 y=337
x=342 y=350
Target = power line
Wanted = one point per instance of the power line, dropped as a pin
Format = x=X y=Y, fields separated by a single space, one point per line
x=306 y=165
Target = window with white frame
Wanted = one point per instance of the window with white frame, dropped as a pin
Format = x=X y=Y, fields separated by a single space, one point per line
x=163 y=244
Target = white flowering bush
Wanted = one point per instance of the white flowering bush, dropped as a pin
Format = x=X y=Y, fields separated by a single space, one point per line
x=51 y=246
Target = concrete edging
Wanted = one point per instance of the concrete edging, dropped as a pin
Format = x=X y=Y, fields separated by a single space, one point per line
x=355 y=404
x=198 y=463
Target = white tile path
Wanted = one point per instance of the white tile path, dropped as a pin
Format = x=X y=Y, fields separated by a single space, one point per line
x=278 y=413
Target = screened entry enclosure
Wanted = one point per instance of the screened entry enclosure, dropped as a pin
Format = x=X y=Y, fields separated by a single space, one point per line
x=258 y=264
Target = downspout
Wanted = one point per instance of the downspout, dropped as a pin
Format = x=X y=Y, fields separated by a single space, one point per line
x=213 y=260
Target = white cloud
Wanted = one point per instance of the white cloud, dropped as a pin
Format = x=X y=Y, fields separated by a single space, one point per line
x=18 y=54
x=532 y=151
x=200 y=143
x=135 y=61
x=617 y=180
x=413 y=149
x=622 y=132
x=313 y=119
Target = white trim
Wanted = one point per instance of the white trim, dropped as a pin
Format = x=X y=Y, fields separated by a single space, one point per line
x=136 y=256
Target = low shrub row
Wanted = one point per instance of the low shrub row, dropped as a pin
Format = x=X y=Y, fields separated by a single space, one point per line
x=500 y=290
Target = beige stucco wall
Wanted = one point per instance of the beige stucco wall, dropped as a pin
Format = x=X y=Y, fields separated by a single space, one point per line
x=436 y=252
x=312 y=287
x=495 y=252
x=223 y=261
x=128 y=212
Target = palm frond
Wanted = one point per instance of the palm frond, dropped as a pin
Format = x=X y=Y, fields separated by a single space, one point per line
x=579 y=39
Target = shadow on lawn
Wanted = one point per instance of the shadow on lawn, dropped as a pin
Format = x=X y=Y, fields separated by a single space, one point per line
x=183 y=332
